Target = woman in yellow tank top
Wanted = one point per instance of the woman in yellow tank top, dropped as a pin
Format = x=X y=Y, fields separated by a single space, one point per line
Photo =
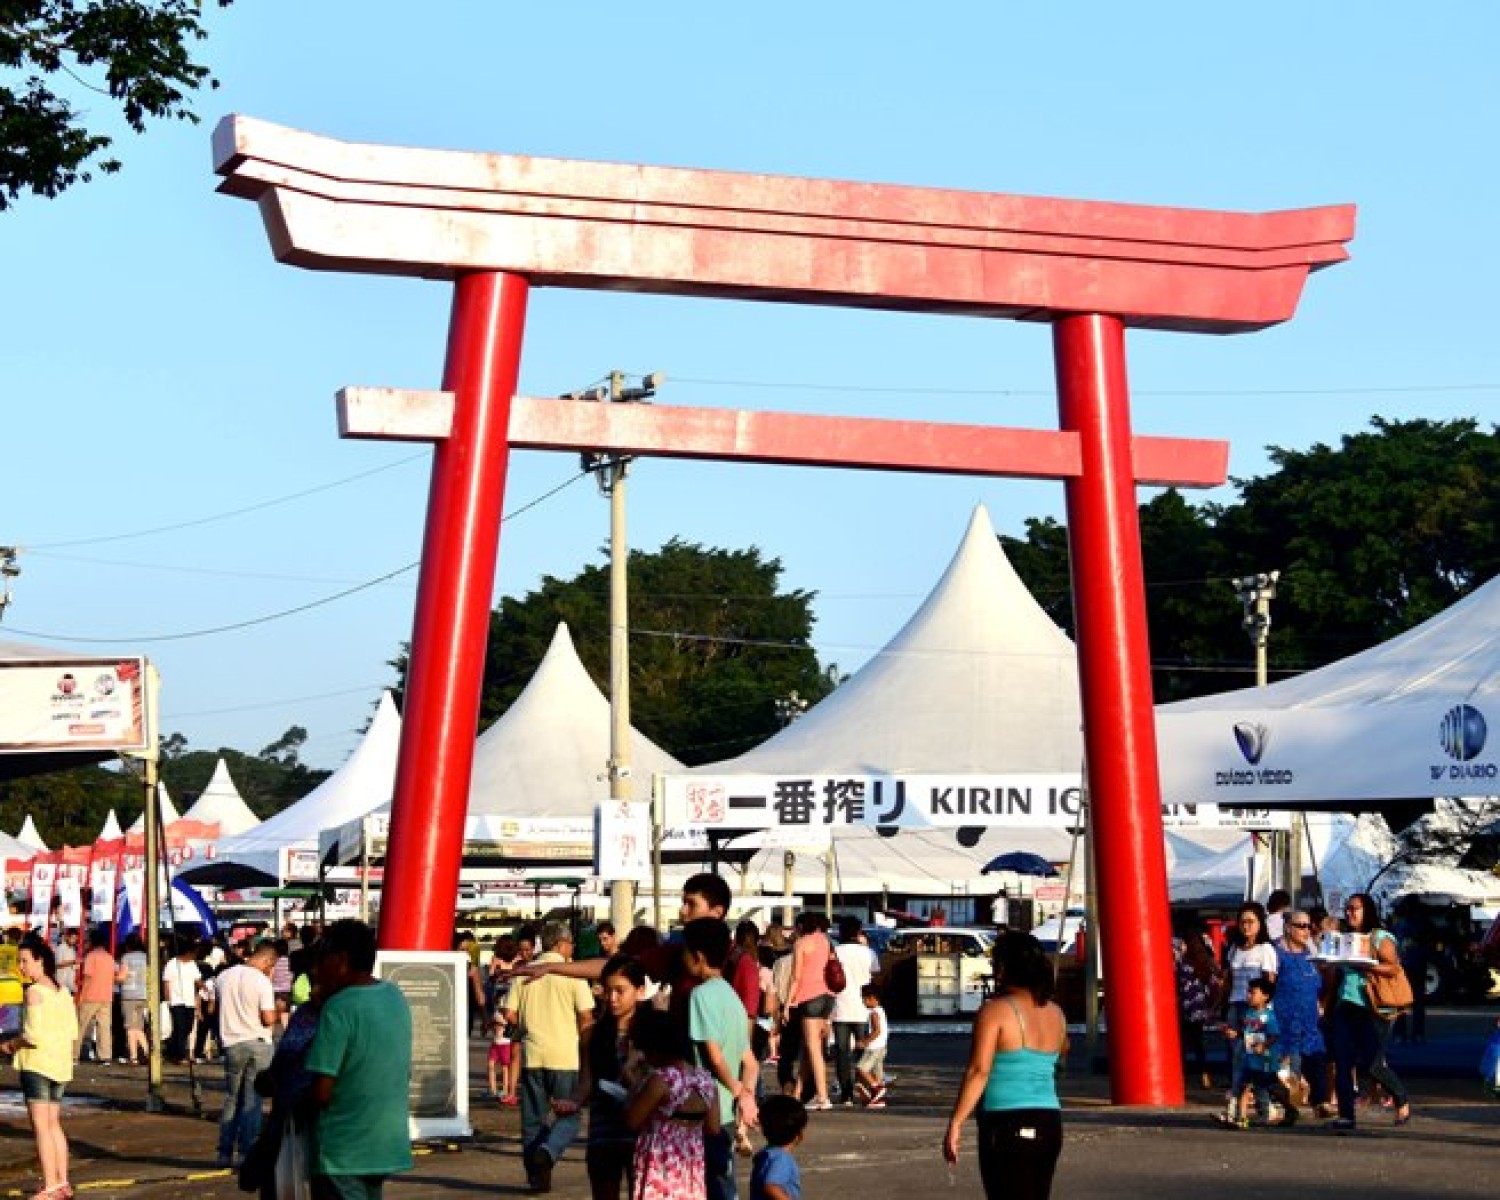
x=44 y=1057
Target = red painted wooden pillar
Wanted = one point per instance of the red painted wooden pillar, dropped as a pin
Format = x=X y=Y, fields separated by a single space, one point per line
x=1109 y=599
x=454 y=593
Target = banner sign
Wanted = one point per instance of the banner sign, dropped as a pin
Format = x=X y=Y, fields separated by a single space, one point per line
x=622 y=845
x=47 y=705
x=791 y=802
x=1393 y=750
x=887 y=801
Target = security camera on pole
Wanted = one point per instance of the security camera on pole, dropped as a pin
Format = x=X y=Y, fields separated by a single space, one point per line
x=610 y=473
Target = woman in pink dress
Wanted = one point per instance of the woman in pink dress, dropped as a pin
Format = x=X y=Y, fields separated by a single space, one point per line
x=672 y=1109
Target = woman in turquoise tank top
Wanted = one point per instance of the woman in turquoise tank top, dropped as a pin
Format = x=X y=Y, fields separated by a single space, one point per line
x=1019 y=1037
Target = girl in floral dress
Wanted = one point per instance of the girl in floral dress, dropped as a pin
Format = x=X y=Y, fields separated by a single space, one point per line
x=673 y=1108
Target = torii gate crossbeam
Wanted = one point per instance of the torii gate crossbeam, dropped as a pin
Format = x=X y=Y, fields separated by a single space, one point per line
x=497 y=225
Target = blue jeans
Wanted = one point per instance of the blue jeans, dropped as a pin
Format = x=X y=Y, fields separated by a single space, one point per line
x=540 y=1128
x=239 y=1122
x=1359 y=1042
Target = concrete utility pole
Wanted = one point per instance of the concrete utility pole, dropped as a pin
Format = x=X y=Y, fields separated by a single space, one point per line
x=610 y=473
x=1256 y=593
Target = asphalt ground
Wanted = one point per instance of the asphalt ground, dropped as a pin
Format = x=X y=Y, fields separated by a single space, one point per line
x=1451 y=1147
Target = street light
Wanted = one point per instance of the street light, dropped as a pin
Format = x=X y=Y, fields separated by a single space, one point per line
x=8 y=571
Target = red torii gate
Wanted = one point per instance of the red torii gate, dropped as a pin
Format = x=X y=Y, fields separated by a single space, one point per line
x=496 y=224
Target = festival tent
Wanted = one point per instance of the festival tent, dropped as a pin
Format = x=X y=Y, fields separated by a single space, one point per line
x=111 y=829
x=262 y=855
x=221 y=803
x=979 y=682
x=30 y=837
x=1406 y=719
x=169 y=812
x=546 y=759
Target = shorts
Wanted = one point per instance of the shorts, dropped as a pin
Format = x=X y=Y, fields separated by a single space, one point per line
x=819 y=1008
x=134 y=1014
x=500 y=1053
x=872 y=1062
x=41 y=1090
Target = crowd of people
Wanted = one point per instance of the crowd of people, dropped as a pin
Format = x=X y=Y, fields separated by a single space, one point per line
x=667 y=1058
x=1306 y=1032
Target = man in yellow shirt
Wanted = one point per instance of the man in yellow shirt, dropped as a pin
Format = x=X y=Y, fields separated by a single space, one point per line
x=552 y=1012
x=12 y=990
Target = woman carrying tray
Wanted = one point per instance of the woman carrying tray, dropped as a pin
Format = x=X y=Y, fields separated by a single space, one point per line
x=1360 y=1032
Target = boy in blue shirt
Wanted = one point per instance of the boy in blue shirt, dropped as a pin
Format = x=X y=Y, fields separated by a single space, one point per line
x=773 y=1173
x=1259 y=1032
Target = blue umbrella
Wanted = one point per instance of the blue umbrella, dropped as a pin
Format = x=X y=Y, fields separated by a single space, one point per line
x=1021 y=862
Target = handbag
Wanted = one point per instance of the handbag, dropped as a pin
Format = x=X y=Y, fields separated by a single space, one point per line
x=834 y=978
x=1389 y=994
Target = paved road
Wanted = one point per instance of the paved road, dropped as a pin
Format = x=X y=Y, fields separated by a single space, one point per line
x=1452 y=1148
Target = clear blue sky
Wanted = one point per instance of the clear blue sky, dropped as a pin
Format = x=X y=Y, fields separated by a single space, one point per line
x=163 y=369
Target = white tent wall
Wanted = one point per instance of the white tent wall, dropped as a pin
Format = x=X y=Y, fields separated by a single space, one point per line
x=221 y=804
x=1406 y=719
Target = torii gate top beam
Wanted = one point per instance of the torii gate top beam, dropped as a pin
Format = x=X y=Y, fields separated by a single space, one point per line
x=344 y=206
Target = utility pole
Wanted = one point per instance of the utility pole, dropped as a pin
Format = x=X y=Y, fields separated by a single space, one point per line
x=8 y=571
x=610 y=472
x=1255 y=593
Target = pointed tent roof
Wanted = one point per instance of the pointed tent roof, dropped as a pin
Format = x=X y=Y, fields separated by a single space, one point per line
x=30 y=837
x=548 y=755
x=362 y=784
x=169 y=811
x=979 y=680
x=14 y=849
x=222 y=804
x=111 y=828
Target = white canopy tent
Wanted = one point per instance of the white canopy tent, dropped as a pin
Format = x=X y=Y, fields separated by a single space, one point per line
x=1406 y=719
x=221 y=804
x=268 y=853
x=979 y=685
x=111 y=828
x=30 y=837
x=546 y=759
x=169 y=811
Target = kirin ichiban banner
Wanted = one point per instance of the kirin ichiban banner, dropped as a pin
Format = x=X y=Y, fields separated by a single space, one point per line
x=889 y=801
x=911 y=802
x=72 y=704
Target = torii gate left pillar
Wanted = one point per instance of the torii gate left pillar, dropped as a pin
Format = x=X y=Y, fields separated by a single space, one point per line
x=497 y=225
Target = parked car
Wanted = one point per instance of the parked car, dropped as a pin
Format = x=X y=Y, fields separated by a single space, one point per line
x=936 y=970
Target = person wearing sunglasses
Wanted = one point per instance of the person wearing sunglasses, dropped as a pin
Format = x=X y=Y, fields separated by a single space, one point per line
x=1299 y=985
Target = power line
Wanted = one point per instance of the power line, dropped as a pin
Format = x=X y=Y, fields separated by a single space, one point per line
x=288 y=612
x=224 y=516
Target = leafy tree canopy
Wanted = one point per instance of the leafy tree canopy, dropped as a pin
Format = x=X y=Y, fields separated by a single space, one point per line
x=1371 y=537
x=138 y=54
x=713 y=646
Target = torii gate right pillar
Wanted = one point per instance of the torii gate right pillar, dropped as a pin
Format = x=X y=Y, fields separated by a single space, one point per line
x=1109 y=600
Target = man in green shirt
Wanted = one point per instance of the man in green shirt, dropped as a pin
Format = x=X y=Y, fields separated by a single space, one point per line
x=360 y=1060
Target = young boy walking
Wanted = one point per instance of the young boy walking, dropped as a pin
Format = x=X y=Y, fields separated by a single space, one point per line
x=1259 y=1033
x=869 y=1068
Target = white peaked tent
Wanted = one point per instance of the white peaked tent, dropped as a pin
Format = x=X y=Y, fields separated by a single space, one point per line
x=111 y=829
x=980 y=680
x=169 y=811
x=365 y=782
x=30 y=837
x=221 y=804
x=547 y=757
x=1411 y=717
x=13 y=849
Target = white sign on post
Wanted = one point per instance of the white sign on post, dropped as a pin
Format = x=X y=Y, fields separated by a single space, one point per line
x=622 y=841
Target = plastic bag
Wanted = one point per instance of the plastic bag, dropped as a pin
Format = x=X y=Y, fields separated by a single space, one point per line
x=1489 y=1063
x=294 y=1164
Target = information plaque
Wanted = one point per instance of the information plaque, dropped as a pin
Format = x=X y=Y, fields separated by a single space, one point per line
x=435 y=985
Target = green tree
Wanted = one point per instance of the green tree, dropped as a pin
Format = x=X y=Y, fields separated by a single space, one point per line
x=138 y=54
x=1372 y=536
x=713 y=646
